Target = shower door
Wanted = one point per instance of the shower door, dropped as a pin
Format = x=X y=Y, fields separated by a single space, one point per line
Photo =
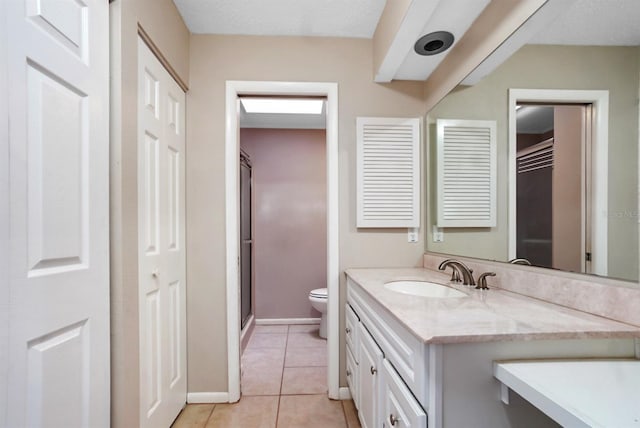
x=245 y=239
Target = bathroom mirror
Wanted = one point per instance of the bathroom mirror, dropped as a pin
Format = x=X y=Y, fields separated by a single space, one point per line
x=590 y=49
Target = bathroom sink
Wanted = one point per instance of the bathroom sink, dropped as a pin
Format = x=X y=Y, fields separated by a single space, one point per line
x=424 y=289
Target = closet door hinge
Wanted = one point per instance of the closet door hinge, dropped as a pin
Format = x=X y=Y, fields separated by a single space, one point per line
x=587 y=256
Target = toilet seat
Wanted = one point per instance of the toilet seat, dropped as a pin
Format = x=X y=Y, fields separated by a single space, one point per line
x=318 y=293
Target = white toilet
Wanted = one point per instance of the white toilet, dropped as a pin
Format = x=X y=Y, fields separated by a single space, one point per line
x=318 y=299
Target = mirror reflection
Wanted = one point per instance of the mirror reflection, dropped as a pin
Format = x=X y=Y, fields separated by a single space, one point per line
x=574 y=192
x=552 y=195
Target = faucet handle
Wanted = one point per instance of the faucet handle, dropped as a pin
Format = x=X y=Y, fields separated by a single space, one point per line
x=482 y=281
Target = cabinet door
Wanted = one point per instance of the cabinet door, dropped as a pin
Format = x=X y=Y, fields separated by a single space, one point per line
x=398 y=408
x=351 y=331
x=368 y=379
x=352 y=378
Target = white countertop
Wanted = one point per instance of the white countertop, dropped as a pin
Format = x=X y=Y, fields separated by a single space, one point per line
x=578 y=393
x=482 y=316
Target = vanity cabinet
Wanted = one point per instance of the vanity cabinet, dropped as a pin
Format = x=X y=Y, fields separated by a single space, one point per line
x=443 y=377
x=380 y=394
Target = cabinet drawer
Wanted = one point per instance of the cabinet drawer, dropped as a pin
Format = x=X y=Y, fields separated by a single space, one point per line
x=351 y=331
x=399 y=408
x=352 y=378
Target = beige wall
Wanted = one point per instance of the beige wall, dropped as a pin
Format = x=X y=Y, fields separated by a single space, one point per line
x=215 y=59
x=554 y=67
x=162 y=22
x=289 y=184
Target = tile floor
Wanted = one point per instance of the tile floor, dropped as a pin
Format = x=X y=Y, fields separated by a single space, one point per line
x=284 y=385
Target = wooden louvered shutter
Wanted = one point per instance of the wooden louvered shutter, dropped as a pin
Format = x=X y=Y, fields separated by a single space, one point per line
x=388 y=172
x=466 y=173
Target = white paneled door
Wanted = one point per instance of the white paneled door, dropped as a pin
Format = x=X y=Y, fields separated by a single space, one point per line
x=161 y=144
x=58 y=270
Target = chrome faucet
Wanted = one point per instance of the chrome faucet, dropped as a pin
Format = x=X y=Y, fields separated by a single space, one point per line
x=482 y=280
x=459 y=269
x=455 y=271
x=520 y=261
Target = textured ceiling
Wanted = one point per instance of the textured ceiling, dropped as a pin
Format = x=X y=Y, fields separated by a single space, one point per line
x=337 y=18
x=595 y=22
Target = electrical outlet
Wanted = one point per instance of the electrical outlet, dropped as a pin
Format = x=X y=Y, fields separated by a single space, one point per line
x=412 y=234
x=438 y=234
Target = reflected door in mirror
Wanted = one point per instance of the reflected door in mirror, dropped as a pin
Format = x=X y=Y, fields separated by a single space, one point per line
x=552 y=179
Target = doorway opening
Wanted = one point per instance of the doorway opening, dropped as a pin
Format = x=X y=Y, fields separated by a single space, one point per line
x=558 y=178
x=553 y=177
x=236 y=90
x=283 y=245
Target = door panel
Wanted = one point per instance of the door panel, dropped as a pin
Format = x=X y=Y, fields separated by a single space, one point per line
x=56 y=164
x=64 y=21
x=60 y=354
x=152 y=353
x=368 y=378
x=149 y=196
x=568 y=195
x=163 y=386
x=246 y=243
x=173 y=177
x=174 y=319
x=58 y=221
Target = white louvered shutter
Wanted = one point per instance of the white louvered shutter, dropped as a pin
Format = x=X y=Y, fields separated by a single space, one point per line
x=388 y=172
x=466 y=173
x=539 y=156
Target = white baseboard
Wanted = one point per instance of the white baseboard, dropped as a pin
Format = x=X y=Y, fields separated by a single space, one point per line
x=223 y=397
x=248 y=326
x=279 y=321
x=207 y=397
x=344 y=393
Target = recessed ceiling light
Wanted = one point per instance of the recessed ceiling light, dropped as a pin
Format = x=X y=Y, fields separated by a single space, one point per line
x=434 y=43
x=282 y=105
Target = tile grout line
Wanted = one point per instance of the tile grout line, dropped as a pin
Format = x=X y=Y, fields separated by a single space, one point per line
x=344 y=413
x=286 y=343
x=278 y=411
x=284 y=358
x=209 y=417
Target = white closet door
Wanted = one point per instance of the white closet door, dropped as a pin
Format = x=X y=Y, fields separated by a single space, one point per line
x=57 y=59
x=162 y=297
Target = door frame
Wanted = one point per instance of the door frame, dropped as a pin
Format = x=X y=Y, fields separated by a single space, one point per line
x=234 y=89
x=599 y=99
x=4 y=217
